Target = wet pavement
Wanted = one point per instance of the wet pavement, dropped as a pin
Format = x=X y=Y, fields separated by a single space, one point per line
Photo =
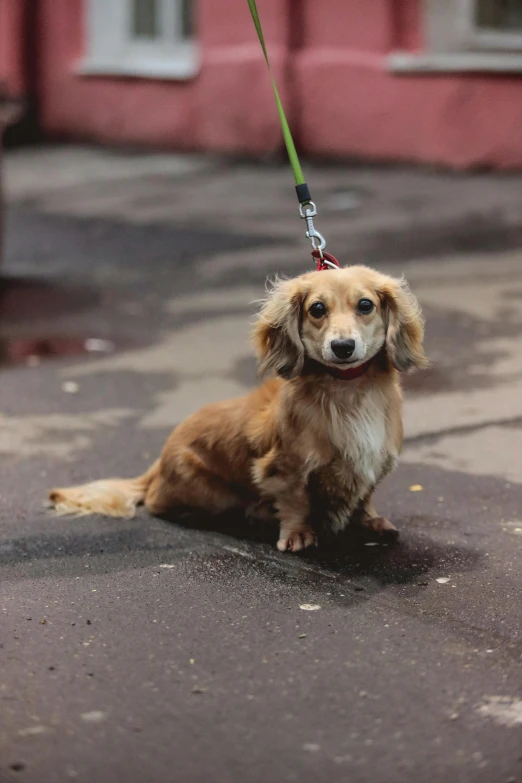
x=149 y=651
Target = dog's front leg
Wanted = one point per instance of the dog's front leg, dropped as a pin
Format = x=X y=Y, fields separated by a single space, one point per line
x=295 y=532
x=279 y=479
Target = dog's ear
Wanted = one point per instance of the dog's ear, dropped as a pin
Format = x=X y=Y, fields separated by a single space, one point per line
x=276 y=335
x=404 y=326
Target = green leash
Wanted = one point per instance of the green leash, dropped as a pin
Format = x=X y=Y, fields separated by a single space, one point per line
x=287 y=134
x=307 y=208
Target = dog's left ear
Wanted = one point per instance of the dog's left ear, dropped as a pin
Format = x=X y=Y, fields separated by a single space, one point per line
x=276 y=335
x=405 y=326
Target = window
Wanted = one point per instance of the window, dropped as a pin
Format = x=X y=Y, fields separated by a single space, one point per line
x=150 y=38
x=499 y=14
x=468 y=35
x=495 y=24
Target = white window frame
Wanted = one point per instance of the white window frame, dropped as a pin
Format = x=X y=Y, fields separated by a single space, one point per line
x=454 y=42
x=111 y=49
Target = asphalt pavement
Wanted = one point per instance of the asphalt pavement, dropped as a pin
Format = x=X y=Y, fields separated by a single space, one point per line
x=144 y=651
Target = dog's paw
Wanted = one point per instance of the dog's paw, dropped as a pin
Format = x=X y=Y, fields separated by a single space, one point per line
x=381 y=526
x=293 y=542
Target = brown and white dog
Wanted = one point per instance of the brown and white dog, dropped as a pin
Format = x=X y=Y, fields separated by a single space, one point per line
x=311 y=443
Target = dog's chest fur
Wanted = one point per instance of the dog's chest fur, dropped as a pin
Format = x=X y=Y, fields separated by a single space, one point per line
x=360 y=456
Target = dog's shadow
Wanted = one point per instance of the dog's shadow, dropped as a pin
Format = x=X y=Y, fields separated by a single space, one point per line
x=390 y=558
x=356 y=556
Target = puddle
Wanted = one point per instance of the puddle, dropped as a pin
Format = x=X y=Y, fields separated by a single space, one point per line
x=33 y=351
x=32 y=305
x=25 y=300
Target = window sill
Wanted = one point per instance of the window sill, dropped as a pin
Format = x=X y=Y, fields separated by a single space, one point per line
x=181 y=68
x=475 y=62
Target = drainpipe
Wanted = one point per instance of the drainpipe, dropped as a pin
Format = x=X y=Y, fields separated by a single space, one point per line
x=26 y=129
x=21 y=111
x=296 y=18
x=10 y=111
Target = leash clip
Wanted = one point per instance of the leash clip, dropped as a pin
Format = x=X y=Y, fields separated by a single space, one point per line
x=308 y=212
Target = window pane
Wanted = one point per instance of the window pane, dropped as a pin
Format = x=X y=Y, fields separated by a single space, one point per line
x=145 y=19
x=187 y=18
x=500 y=14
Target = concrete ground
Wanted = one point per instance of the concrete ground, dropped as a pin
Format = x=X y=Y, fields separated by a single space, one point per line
x=142 y=650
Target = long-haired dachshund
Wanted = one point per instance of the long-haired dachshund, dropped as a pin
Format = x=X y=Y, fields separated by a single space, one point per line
x=310 y=445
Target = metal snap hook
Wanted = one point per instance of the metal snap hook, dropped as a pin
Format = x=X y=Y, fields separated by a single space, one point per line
x=308 y=212
x=315 y=236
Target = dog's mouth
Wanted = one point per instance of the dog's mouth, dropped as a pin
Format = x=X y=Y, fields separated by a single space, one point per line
x=345 y=362
x=340 y=364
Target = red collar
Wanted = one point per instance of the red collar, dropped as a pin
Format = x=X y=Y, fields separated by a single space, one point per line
x=348 y=374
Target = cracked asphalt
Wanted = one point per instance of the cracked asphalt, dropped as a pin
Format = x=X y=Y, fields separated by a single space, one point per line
x=152 y=651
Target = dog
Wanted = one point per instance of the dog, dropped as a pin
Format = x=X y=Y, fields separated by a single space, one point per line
x=308 y=446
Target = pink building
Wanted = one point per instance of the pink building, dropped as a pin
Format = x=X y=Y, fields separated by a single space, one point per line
x=436 y=81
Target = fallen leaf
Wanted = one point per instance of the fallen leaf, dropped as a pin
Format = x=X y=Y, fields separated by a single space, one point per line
x=70 y=387
x=505 y=710
x=95 y=345
x=96 y=716
x=33 y=731
x=416 y=488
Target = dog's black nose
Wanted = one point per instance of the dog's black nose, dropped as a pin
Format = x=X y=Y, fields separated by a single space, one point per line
x=343 y=349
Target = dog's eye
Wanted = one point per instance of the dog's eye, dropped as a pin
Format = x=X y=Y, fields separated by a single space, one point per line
x=317 y=310
x=365 y=306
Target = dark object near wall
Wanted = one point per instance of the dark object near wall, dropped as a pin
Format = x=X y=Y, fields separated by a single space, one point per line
x=10 y=111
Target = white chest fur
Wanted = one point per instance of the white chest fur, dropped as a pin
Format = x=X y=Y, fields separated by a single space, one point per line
x=358 y=433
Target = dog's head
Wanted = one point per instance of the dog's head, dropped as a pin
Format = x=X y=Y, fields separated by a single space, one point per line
x=341 y=319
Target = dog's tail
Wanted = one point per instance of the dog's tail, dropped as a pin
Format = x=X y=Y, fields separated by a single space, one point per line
x=108 y=497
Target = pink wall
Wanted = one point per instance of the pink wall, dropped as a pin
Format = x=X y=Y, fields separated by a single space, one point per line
x=12 y=46
x=366 y=112
x=226 y=107
x=329 y=58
